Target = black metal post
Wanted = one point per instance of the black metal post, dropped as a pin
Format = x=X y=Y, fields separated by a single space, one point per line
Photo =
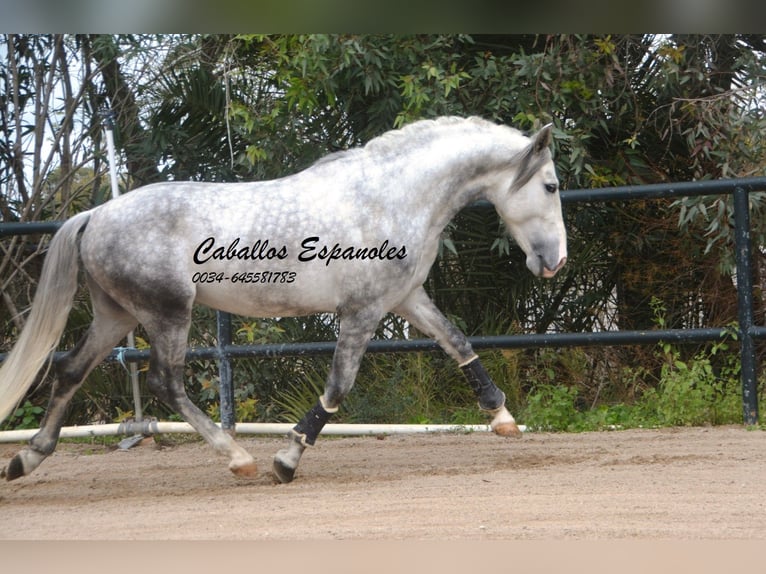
x=745 y=305
x=226 y=388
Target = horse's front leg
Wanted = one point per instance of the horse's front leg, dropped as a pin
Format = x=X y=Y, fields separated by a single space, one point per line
x=421 y=312
x=356 y=330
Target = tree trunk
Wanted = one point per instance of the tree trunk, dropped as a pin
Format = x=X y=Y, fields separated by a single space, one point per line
x=141 y=155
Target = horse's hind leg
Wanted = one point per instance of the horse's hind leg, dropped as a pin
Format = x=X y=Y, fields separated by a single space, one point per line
x=421 y=312
x=356 y=330
x=110 y=324
x=165 y=379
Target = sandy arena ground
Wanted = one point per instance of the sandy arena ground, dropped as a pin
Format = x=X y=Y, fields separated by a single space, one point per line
x=688 y=484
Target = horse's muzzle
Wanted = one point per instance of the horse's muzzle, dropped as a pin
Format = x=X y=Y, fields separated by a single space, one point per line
x=548 y=273
x=545 y=258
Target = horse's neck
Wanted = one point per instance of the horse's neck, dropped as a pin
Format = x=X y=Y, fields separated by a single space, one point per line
x=456 y=180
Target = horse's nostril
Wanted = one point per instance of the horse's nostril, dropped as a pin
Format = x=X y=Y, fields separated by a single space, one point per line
x=548 y=273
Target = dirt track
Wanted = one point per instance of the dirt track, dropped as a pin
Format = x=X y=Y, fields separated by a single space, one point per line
x=651 y=484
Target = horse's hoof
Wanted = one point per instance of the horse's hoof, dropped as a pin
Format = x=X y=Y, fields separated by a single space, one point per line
x=248 y=470
x=284 y=473
x=507 y=429
x=14 y=470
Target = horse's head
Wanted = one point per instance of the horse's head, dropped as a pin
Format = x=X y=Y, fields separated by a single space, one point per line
x=530 y=206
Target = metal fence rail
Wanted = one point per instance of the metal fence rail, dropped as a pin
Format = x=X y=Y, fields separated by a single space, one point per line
x=747 y=331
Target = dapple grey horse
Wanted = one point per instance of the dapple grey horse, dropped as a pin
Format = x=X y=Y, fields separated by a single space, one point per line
x=354 y=234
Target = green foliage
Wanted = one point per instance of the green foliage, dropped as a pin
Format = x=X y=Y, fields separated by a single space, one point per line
x=245 y=410
x=689 y=394
x=27 y=416
x=299 y=396
x=552 y=408
x=703 y=389
x=699 y=391
x=408 y=388
x=260 y=385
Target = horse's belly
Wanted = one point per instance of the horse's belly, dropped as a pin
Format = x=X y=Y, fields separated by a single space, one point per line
x=301 y=289
x=266 y=296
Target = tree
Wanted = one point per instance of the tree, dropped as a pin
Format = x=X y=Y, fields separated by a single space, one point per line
x=48 y=165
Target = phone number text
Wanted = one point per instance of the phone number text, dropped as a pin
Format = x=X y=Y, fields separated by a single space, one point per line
x=262 y=277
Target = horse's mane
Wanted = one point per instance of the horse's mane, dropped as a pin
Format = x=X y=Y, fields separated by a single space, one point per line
x=421 y=130
x=424 y=130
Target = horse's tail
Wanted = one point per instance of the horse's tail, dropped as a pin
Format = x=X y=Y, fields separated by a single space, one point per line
x=47 y=319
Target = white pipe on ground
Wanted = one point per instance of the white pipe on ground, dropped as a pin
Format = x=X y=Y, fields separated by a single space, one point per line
x=155 y=427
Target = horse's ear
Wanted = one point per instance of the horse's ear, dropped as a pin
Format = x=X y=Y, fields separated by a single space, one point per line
x=542 y=139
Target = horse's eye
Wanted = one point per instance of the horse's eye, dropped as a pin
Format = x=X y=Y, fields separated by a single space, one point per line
x=551 y=187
